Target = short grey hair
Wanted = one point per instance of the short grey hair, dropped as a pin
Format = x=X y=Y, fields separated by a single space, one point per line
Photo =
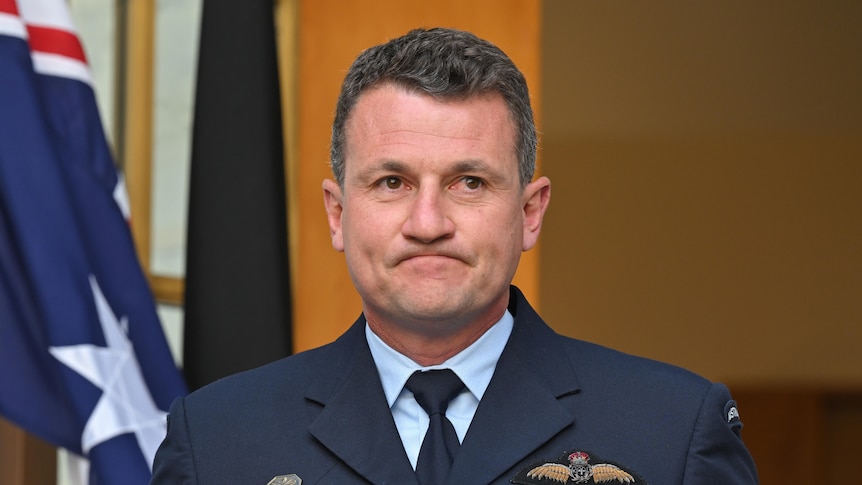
x=445 y=64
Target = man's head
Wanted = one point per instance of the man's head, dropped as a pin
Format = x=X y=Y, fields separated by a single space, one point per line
x=444 y=64
x=432 y=205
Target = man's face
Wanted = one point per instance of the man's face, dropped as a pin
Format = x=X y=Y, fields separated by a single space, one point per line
x=432 y=218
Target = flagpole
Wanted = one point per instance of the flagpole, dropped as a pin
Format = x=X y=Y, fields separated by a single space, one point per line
x=137 y=124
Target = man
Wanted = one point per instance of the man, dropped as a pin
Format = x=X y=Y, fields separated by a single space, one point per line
x=433 y=153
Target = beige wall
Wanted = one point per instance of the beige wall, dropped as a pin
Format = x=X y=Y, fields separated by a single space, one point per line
x=706 y=161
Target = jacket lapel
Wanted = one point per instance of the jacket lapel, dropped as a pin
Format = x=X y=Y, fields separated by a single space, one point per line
x=356 y=423
x=520 y=410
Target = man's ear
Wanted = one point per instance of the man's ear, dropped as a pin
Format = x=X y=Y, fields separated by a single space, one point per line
x=535 y=200
x=332 y=202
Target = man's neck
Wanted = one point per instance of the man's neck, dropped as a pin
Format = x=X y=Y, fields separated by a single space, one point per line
x=427 y=350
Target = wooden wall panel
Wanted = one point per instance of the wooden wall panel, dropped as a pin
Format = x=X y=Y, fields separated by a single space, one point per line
x=330 y=34
x=802 y=435
x=841 y=436
x=784 y=431
x=25 y=459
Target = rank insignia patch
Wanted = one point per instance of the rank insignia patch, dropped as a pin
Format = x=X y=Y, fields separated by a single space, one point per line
x=576 y=467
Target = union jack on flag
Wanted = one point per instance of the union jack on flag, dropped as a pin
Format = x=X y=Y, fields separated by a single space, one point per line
x=84 y=363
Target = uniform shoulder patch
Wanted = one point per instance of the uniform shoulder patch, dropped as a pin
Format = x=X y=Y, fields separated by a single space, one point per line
x=577 y=467
x=731 y=416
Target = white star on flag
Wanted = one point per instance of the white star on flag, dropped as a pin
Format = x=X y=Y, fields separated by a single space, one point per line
x=126 y=405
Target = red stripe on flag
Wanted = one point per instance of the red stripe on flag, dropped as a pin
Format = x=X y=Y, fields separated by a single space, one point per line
x=54 y=41
x=9 y=6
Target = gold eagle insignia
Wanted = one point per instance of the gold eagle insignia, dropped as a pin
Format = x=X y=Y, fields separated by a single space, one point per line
x=579 y=470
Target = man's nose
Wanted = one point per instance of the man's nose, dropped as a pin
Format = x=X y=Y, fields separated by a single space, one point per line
x=428 y=219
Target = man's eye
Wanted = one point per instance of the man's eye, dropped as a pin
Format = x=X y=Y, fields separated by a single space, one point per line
x=392 y=182
x=472 y=183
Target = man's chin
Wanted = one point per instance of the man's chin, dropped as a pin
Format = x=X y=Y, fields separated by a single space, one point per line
x=432 y=310
x=440 y=310
x=423 y=307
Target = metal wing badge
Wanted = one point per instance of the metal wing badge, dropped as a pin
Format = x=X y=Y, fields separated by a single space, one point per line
x=575 y=468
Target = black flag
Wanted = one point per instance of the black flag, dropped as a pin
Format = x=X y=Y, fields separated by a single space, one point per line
x=237 y=294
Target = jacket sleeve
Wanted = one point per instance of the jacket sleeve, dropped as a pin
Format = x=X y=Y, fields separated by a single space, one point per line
x=174 y=463
x=716 y=453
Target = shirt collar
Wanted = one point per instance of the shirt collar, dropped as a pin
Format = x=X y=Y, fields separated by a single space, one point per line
x=474 y=365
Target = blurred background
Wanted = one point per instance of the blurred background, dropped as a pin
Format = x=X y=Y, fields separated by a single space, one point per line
x=706 y=169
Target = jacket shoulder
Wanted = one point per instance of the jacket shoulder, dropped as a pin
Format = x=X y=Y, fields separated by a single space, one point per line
x=269 y=387
x=612 y=365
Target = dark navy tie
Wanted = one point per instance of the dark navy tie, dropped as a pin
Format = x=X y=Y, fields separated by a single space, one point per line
x=433 y=390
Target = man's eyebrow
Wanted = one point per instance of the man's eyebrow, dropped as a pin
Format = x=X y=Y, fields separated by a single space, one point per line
x=389 y=165
x=471 y=165
x=382 y=166
x=467 y=167
x=477 y=166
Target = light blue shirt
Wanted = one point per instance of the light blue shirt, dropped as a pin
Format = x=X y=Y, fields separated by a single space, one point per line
x=473 y=365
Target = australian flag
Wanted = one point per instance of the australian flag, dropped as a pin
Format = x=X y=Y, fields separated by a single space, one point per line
x=84 y=363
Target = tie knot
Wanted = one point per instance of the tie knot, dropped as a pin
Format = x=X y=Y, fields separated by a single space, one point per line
x=434 y=389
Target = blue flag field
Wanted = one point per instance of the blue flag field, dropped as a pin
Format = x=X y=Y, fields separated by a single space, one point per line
x=84 y=363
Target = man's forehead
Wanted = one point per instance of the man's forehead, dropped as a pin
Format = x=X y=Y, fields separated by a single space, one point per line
x=393 y=90
x=392 y=114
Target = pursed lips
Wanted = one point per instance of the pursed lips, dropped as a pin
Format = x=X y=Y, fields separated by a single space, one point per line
x=430 y=261
x=428 y=253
